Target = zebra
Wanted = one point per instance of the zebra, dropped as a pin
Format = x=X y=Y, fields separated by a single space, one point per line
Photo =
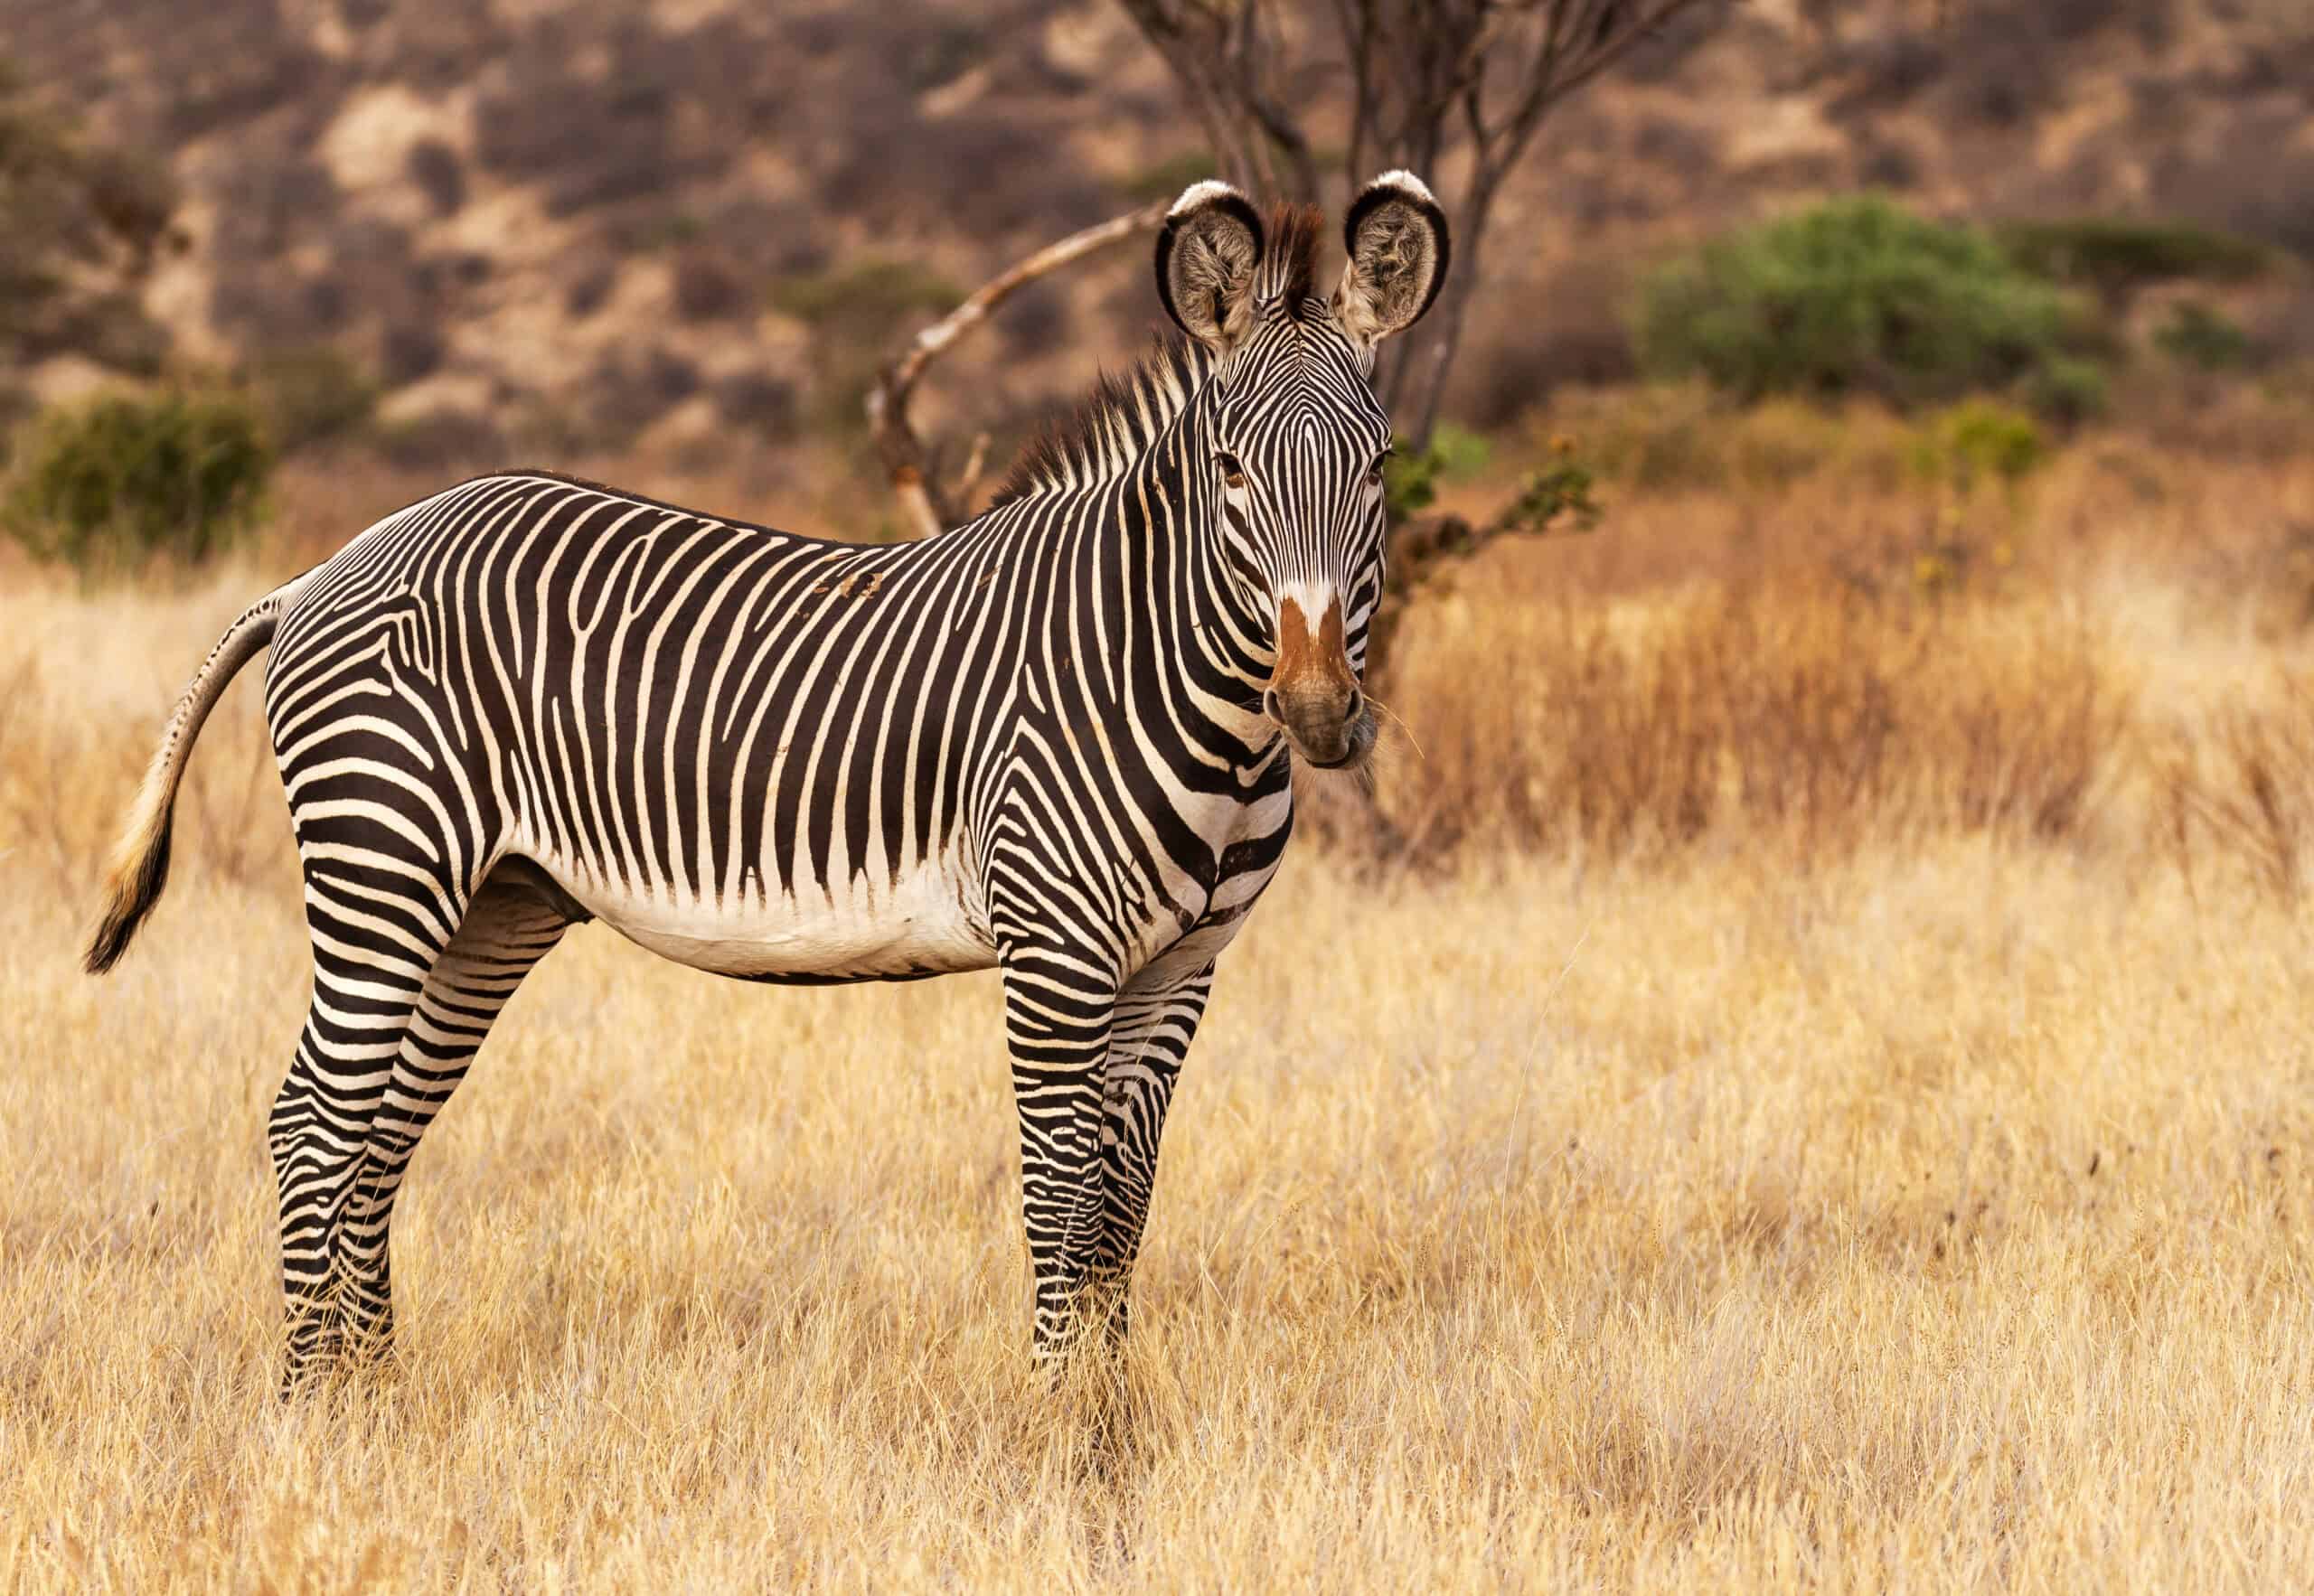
x=1055 y=740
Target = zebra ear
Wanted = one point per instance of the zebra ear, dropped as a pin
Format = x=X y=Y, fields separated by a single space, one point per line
x=1207 y=254
x=1396 y=238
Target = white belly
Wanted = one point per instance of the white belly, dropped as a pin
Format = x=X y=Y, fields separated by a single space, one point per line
x=926 y=924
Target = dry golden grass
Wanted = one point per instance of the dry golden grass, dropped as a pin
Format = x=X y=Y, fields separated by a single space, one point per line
x=1860 y=1190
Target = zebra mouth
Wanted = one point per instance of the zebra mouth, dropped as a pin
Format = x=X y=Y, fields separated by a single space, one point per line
x=1358 y=745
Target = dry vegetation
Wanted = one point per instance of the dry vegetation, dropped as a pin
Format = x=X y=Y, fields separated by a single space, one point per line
x=1827 y=1103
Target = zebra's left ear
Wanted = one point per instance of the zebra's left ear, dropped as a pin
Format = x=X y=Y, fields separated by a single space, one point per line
x=1396 y=238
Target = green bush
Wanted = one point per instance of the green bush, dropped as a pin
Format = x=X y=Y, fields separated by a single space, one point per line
x=1562 y=487
x=2201 y=336
x=1410 y=478
x=106 y=485
x=1461 y=451
x=2116 y=256
x=1409 y=484
x=2067 y=390
x=1856 y=296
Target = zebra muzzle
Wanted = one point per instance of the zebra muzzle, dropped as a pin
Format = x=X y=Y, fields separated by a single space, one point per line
x=1314 y=694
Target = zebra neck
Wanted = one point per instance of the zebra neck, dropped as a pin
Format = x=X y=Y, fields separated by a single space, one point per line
x=1126 y=480
x=1211 y=634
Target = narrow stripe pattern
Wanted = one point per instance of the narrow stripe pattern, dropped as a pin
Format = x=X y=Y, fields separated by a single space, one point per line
x=1035 y=743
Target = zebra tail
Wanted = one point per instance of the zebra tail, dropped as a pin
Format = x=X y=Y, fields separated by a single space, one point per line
x=139 y=865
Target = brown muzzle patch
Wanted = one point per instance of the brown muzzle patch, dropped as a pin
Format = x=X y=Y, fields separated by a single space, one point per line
x=1312 y=691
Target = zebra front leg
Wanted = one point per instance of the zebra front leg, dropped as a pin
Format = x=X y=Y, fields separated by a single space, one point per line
x=1057 y=1026
x=1156 y=1019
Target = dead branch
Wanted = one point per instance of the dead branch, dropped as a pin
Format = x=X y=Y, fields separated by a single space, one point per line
x=930 y=506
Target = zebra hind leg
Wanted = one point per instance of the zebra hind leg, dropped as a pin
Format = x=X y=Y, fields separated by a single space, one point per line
x=366 y=1083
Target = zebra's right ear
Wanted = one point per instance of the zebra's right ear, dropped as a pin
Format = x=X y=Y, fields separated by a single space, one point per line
x=1207 y=254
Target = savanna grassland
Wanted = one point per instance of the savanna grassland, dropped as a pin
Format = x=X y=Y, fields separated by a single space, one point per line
x=1814 y=1086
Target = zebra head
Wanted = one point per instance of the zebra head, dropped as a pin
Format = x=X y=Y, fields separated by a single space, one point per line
x=1293 y=436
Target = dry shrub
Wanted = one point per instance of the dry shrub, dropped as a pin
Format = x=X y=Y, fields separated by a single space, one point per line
x=2239 y=800
x=1662 y=437
x=2199 y=417
x=1802 y=714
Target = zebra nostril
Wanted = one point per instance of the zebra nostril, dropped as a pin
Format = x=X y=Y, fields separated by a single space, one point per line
x=1273 y=707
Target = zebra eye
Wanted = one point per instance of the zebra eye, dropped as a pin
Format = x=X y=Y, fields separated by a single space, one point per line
x=1374 y=471
x=1232 y=474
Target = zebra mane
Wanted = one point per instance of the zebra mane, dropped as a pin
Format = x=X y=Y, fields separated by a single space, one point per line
x=1112 y=427
x=1114 y=424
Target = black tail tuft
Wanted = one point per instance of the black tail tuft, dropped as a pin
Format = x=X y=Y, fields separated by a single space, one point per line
x=134 y=887
x=140 y=863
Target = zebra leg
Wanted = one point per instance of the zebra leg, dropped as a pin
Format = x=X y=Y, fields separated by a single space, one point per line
x=392 y=1030
x=504 y=934
x=1156 y=1019
x=367 y=978
x=1056 y=1026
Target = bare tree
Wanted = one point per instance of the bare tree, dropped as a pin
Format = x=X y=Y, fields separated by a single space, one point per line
x=1426 y=82
x=1230 y=60
x=1438 y=87
x=1430 y=84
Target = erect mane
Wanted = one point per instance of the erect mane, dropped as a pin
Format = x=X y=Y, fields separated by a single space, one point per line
x=1291 y=262
x=1112 y=426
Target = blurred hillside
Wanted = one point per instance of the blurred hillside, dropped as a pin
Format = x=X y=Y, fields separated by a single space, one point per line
x=564 y=229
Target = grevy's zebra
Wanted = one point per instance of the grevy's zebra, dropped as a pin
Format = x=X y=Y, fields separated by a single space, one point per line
x=1053 y=740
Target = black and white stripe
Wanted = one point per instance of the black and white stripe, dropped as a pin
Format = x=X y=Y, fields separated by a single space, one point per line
x=1036 y=742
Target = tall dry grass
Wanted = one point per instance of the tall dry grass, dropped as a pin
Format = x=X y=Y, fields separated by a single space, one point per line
x=2114 y=660
x=1799 y=716
x=1817 y=1116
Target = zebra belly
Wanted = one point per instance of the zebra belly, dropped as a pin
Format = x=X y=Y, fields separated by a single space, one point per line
x=922 y=925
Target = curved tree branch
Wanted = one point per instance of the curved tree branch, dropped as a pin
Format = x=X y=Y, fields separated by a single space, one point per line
x=1425 y=75
x=928 y=505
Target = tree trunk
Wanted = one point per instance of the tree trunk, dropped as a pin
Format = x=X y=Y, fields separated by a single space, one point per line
x=1445 y=342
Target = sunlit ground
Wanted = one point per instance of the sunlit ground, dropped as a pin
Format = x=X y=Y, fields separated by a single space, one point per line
x=1929 y=1208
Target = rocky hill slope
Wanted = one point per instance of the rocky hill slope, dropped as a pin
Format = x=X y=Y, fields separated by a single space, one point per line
x=588 y=225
